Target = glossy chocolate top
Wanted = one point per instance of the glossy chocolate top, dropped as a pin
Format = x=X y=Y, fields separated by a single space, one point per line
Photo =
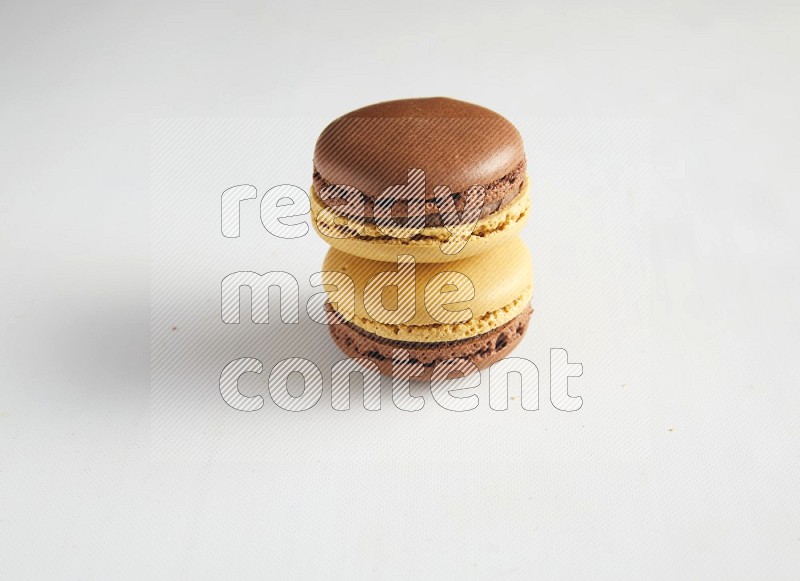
x=457 y=144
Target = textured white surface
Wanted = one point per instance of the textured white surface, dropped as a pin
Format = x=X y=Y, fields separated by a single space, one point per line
x=684 y=460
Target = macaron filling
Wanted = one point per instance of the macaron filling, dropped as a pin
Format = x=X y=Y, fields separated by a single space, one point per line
x=497 y=195
x=482 y=350
x=342 y=226
x=442 y=332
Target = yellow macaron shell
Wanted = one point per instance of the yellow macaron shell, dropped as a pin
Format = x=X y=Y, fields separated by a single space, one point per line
x=502 y=279
x=367 y=240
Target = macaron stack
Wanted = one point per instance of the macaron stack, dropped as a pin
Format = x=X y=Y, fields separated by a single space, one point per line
x=421 y=201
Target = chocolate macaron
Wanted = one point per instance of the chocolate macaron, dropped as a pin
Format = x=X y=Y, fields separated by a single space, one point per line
x=435 y=178
x=409 y=317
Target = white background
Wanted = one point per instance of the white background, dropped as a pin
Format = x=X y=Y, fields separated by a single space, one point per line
x=684 y=460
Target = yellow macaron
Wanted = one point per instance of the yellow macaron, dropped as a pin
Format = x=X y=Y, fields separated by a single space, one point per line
x=475 y=308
